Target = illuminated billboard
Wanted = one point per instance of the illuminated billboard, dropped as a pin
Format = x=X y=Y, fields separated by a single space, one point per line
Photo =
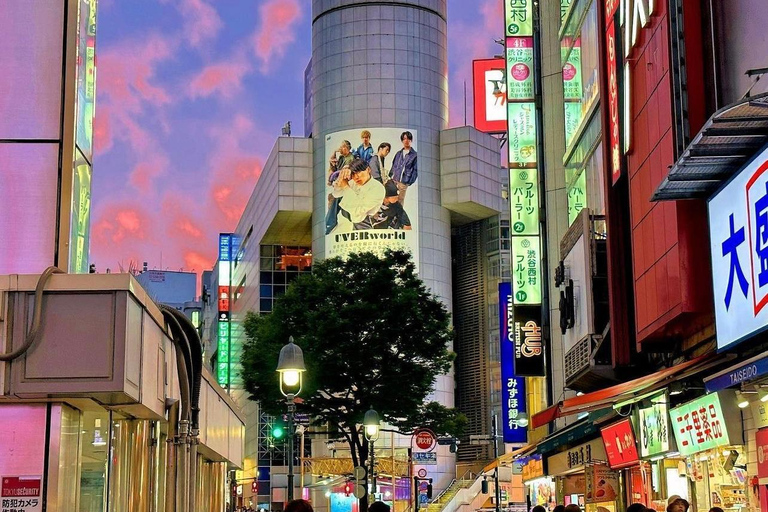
x=372 y=191
x=224 y=337
x=80 y=216
x=490 y=95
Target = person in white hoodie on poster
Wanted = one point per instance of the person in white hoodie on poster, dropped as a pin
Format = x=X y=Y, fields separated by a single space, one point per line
x=361 y=196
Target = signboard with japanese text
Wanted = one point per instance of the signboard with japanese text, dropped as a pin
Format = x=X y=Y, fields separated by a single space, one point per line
x=653 y=428
x=572 y=120
x=708 y=422
x=524 y=201
x=576 y=457
x=21 y=494
x=620 y=444
x=490 y=95
x=526 y=269
x=533 y=467
x=572 y=87
x=224 y=349
x=738 y=234
x=577 y=195
x=750 y=370
x=513 y=387
x=613 y=102
x=521 y=128
x=564 y=6
x=518 y=16
x=519 y=69
x=424 y=458
x=602 y=484
x=373 y=207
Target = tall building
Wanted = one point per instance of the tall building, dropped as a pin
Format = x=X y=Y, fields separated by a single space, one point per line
x=378 y=72
x=46 y=135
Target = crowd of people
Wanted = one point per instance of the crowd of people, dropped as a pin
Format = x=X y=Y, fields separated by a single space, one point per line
x=674 y=504
x=366 y=194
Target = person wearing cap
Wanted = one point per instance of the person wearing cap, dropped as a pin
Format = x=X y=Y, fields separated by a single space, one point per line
x=391 y=215
x=677 y=504
x=361 y=196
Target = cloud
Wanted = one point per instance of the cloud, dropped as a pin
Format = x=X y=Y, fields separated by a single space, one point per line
x=276 y=31
x=121 y=224
x=224 y=79
x=102 y=130
x=199 y=261
x=145 y=171
x=201 y=21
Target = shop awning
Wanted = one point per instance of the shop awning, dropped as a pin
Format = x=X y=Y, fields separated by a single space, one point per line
x=633 y=389
x=509 y=458
x=726 y=142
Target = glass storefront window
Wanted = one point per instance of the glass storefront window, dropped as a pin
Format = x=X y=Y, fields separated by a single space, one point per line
x=579 y=53
x=584 y=184
x=720 y=478
x=95 y=448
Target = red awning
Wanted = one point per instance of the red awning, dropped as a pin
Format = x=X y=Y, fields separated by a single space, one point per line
x=625 y=391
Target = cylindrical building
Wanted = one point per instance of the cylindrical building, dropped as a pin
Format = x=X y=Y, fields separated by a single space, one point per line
x=381 y=67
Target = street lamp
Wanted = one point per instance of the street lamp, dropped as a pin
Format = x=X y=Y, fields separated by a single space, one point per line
x=290 y=367
x=371 y=424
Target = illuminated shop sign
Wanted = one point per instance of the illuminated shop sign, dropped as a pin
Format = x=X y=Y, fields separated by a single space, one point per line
x=738 y=237
x=526 y=269
x=521 y=333
x=602 y=484
x=703 y=424
x=518 y=15
x=224 y=351
x=521 y=126
x=513 y=386
x=519 y=68
x=490 y=95
x=524 y=201
x=653 y=427
x=533 y=468
x=576 y=457
x=620 y=444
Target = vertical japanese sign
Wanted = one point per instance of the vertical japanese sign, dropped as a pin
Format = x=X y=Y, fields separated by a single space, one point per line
x=521 y=125
x=526 y=270
x=223 y=368
x=577 y=195
x=513 y=386
x=518 y=16
x=613 y=99
x=738 y=231
x=520 y=69
x=653 y=425
x=21 y=493
x=524 y=198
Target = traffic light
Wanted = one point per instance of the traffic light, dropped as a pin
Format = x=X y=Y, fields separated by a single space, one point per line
x=277 y=432
x=347 y=489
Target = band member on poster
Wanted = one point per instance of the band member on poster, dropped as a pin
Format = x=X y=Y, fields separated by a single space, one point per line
x=404 y=170
x=360 y=196
x=339 y=159
x=391 y=215
x=378 y=171
x=365 y=150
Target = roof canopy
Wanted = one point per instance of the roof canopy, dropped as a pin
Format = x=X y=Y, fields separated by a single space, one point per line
x=726 y=142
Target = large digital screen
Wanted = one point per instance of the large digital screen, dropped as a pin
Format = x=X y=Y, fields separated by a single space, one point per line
x=372 y=191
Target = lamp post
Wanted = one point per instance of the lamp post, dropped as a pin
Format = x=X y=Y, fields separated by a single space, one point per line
x=371 y=424
x=290 y=367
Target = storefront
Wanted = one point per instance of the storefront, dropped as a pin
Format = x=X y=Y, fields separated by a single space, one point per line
x=569 y=469
x=708 y=432
x=539 y=488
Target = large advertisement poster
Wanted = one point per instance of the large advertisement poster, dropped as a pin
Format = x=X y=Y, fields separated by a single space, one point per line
x=490 y=95
x=372 y=191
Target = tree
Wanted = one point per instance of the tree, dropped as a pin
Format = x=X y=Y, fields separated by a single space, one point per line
x=373 y=336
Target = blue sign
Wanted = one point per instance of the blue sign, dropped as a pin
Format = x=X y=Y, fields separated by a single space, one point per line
x=225 y=241
x=513 y=387
x=425 y=458
x=736 y=376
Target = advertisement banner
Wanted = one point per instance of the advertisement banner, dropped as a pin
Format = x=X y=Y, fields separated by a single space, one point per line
x=577 y=195
x=613 y=101
x=572 y=71
x=526 y=269
x=372 y=191
x=223 y=351
x=533 y=467
x=521 y=127
x=602 y=484
x=524 y=201
x=654 y=429
x=529 y=345
x=513 y=387
x=703 y=424
x=738 y=224
x=620 y=444
x=518 y=15
x=490 y=95
x=80 y=224
x=761 y=440
x=520 y=68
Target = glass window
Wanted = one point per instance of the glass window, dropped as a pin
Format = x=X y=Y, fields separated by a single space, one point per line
x=585 y=185
x=265 y=305
x=265 y=277
x=580 y=71
x=265 y=291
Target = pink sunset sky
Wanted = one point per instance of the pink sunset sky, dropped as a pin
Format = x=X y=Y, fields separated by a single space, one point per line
x=191 y=95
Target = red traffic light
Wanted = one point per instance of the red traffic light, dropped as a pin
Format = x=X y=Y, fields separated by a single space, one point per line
x=255 y=487
x=347 y=489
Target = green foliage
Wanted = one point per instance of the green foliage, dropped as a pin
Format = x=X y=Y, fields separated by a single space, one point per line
x=372 y=336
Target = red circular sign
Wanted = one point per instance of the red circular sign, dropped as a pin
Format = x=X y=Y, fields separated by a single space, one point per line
x=422 y=473
x=520 y=71
x=425 y=439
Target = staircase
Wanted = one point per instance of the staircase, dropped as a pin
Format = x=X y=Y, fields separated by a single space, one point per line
x=444 y=499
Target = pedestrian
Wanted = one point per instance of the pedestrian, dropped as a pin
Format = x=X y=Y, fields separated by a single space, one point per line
x=677 y=504
x=572 y=508
x=379 y=506
x=559 y=508
x=538 y=508
x=298 y=506
x=636 y=507
x=715 y=509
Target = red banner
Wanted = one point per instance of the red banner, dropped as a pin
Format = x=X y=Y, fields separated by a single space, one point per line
x=620 y=444
x=613 y=101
